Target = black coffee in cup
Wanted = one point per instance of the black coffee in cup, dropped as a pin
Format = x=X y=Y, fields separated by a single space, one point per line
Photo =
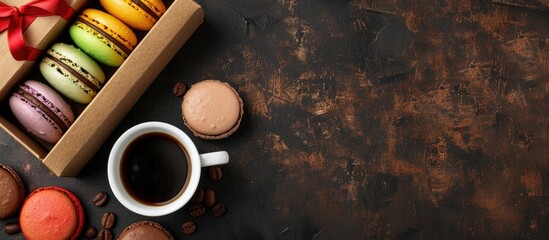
x=154 y=168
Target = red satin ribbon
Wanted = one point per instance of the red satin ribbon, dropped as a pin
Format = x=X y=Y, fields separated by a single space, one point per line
x=17 y=19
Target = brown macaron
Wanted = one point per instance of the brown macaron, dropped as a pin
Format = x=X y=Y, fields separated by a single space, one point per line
x=12 y=191
x=212 y=109
x=145 y=230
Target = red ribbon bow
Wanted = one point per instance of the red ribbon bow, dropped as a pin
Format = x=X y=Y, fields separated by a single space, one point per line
x=17 y=19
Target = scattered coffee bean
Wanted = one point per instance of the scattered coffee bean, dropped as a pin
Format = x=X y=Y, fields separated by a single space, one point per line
x=188 y=227
x=197 y=210
x=100 y=199
x=12 y=228
x=215 y=173
x=218 y=210
x=91 y=232
x=179 y=89
x=198 y=195
x=105 y=234
x=209 y=197
x=108 y=220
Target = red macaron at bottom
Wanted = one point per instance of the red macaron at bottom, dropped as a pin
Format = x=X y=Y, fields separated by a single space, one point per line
x=51 y=213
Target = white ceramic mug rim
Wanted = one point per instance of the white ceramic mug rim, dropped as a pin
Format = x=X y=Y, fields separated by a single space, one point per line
x=115 y=181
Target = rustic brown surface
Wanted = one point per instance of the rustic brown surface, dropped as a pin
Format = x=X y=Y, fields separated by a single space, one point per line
x=363 y=120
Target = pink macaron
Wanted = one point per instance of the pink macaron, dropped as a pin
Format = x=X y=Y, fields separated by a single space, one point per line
x=41 y=110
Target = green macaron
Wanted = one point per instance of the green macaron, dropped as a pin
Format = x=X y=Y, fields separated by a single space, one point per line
x=72 y=73
x=102 y=36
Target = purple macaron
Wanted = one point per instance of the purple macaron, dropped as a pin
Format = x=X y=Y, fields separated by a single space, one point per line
x=41 y=110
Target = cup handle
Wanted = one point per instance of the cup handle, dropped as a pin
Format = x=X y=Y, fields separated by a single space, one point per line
x=214 y=158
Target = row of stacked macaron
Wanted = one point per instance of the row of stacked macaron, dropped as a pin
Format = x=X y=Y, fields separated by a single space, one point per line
x=75 y=71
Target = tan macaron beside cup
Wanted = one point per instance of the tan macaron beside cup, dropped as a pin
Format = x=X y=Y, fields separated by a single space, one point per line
x=212 y=109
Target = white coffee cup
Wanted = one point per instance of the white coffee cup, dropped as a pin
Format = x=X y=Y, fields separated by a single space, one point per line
x=195 y=162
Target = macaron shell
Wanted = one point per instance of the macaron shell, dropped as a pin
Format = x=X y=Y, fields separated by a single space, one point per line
x=66 y=85
x=81 y=59
x=12 y=191
x=212 y=109
x=97 y=44
x=132 y=14
x=145 y=230
x=51 y=213
x=97 y=49
x=63 y=80
x=118 y=29
x=52 y=96
x=34 y=119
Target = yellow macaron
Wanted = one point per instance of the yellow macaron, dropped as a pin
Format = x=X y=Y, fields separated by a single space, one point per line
x=138 y=14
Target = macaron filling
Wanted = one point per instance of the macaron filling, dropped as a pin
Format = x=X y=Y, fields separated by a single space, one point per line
x=51 y=113
x=103 y=36
x=83 y=76
x=147 y=9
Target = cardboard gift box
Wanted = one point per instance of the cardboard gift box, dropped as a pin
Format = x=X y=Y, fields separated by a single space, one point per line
x=96 y=121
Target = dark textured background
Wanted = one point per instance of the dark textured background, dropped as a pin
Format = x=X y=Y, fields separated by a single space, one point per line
x=363 y=120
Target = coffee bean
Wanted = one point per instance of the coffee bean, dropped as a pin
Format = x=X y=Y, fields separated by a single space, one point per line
x=100 y=199
x=197 y=210
x=215 y=173
x=218 y=210
x=198 y=195
x=91 y=232
x=12 y=228
x=108 y=220
x=105 y=234
x=179 y=89
x=209 y=197
x=188 y=227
